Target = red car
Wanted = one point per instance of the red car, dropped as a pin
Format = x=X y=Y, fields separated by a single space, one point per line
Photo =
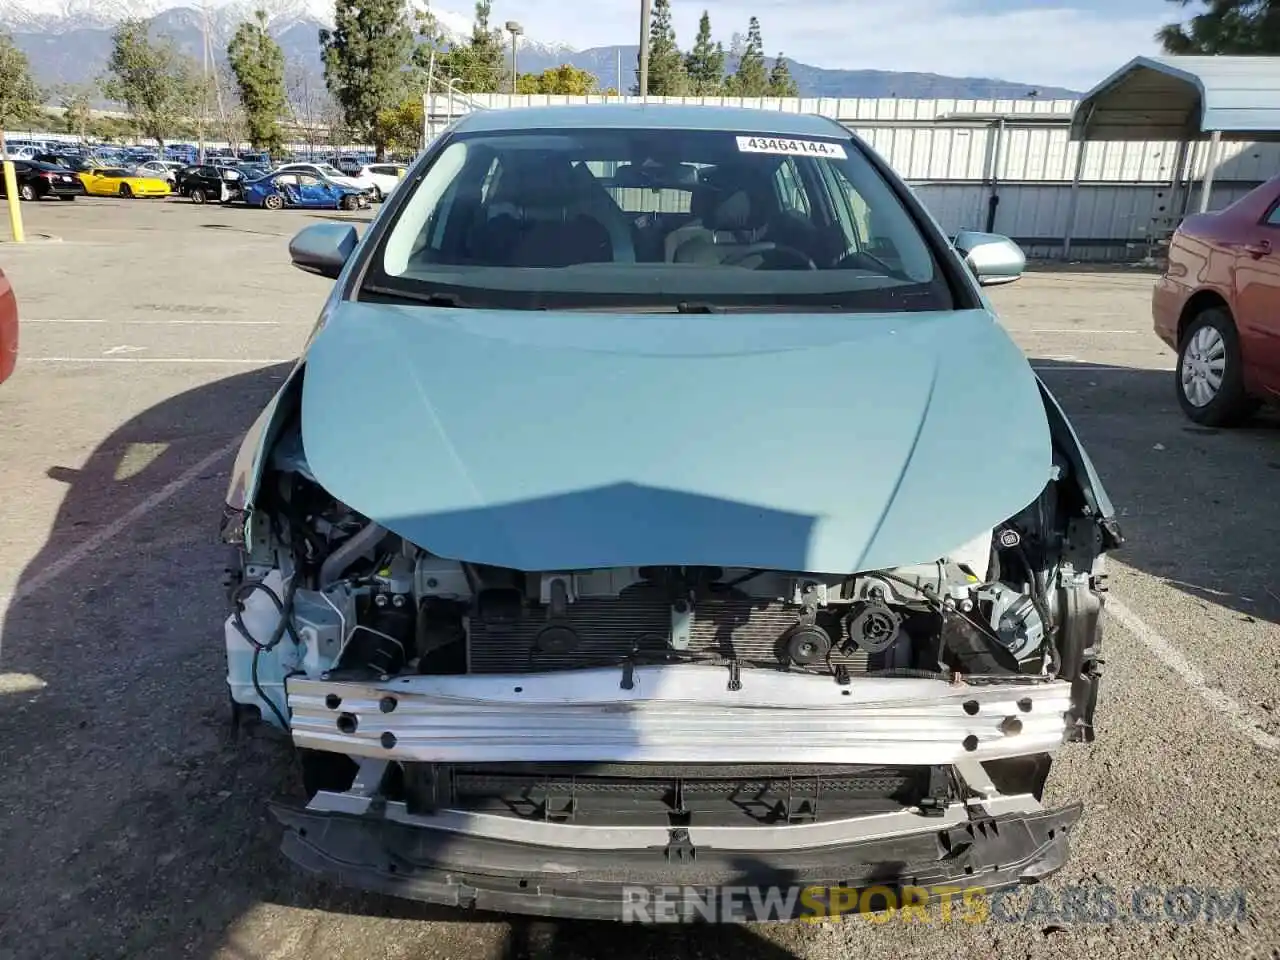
x=8 y=328
x=1218 y=305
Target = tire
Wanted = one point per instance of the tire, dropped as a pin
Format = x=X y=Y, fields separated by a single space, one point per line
x=273 y=201
x=1210 y=373
x=197 y=195
x=349 y=202
x=378 y=196
x=27 y=192
x=126 y=192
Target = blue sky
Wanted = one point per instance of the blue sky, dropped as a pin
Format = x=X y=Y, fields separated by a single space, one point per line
x=1072 y=43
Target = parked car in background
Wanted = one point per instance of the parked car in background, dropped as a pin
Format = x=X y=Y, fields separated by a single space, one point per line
x=294 y=189
x=1218 y=305
x=37 y=180
x=384 y=177
x=327 y=171
x=533 y=649
x=8 y=328
x=210 y=183
x=162 y=169
x=119 y=182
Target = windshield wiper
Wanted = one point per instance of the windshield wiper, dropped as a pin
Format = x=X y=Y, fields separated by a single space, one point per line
x=697 y=306
x=430 y=298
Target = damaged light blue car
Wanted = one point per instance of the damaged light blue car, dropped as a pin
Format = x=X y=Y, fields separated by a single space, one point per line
x=659 y=501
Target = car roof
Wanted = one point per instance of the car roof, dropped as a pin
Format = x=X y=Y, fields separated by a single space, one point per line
x=652 y=116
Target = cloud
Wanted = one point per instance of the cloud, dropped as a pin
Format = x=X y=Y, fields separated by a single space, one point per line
x=1059 y=45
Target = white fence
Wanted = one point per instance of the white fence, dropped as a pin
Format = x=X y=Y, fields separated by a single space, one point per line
x=1005 y=165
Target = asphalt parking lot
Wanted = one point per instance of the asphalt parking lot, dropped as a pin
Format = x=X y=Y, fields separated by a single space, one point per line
x=132 y=823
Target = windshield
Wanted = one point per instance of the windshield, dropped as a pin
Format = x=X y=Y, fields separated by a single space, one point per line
x=328 y=171
x=587 y=218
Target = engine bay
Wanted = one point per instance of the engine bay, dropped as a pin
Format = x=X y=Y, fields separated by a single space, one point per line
x=331 y=593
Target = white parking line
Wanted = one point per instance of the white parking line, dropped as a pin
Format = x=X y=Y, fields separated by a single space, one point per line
x=45 y=576
x=239 y=361
x=1236 y=716
x=1081 y=331
x=162 y=323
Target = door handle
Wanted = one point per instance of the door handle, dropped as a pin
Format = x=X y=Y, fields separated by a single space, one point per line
x=1260 y=249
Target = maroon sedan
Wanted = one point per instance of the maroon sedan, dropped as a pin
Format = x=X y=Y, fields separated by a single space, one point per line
x=8 y=328
x=1218 y=305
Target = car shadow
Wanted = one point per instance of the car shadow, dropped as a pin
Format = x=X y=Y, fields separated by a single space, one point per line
x=1194 y=502
x=134 y=811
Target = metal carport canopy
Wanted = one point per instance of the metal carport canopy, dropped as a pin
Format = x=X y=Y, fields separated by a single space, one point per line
x=1179 y=99
x=1183 y=98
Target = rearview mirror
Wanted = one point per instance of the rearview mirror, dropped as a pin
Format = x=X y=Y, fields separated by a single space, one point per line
x=323 y=248
x=992 y=258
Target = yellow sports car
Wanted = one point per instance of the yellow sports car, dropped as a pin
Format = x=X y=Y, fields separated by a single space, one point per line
x=117 y=182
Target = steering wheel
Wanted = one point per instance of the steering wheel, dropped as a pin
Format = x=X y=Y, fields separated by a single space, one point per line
x=846 y=258
x=767 y=248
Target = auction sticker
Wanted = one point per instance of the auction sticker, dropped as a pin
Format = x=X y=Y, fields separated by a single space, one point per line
x=791 y=148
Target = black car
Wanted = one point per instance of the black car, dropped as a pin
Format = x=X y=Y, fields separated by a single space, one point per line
x=36 y=180
x=208 y=182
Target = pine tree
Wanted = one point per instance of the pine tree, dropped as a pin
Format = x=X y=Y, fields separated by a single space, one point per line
x=1226 y=27
x=750 y=79
x=705 y=62
x=258 y=64
x=781 y=83
x=667 y=77
x=364 y=58
x=481 y=62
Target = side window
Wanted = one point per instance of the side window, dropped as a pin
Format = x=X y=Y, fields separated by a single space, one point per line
x=307 y=180
x=287 y=180
x=1273 y=218
x=791 y=192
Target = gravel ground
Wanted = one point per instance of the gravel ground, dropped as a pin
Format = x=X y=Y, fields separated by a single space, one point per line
x=132 y=821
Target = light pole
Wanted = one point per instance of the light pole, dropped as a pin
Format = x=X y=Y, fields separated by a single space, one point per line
x=515 y=30
x=644 y=48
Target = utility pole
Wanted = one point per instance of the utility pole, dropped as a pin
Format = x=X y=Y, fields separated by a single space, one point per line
x=217 y=84
x=204 y=86
x=644 y=48
x=515 y=30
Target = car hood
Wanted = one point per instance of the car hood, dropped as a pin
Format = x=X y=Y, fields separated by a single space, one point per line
x=542 y=441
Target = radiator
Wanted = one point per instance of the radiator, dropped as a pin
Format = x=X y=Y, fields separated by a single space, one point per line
x=733 y=626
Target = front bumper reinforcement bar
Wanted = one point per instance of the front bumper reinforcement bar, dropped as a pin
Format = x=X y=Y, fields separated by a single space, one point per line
x=680 y=714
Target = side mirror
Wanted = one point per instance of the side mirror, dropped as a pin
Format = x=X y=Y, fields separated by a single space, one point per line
x=323 y=248
x=992 y=258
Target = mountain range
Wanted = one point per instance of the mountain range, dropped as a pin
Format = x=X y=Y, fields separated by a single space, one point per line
x=69 y=41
